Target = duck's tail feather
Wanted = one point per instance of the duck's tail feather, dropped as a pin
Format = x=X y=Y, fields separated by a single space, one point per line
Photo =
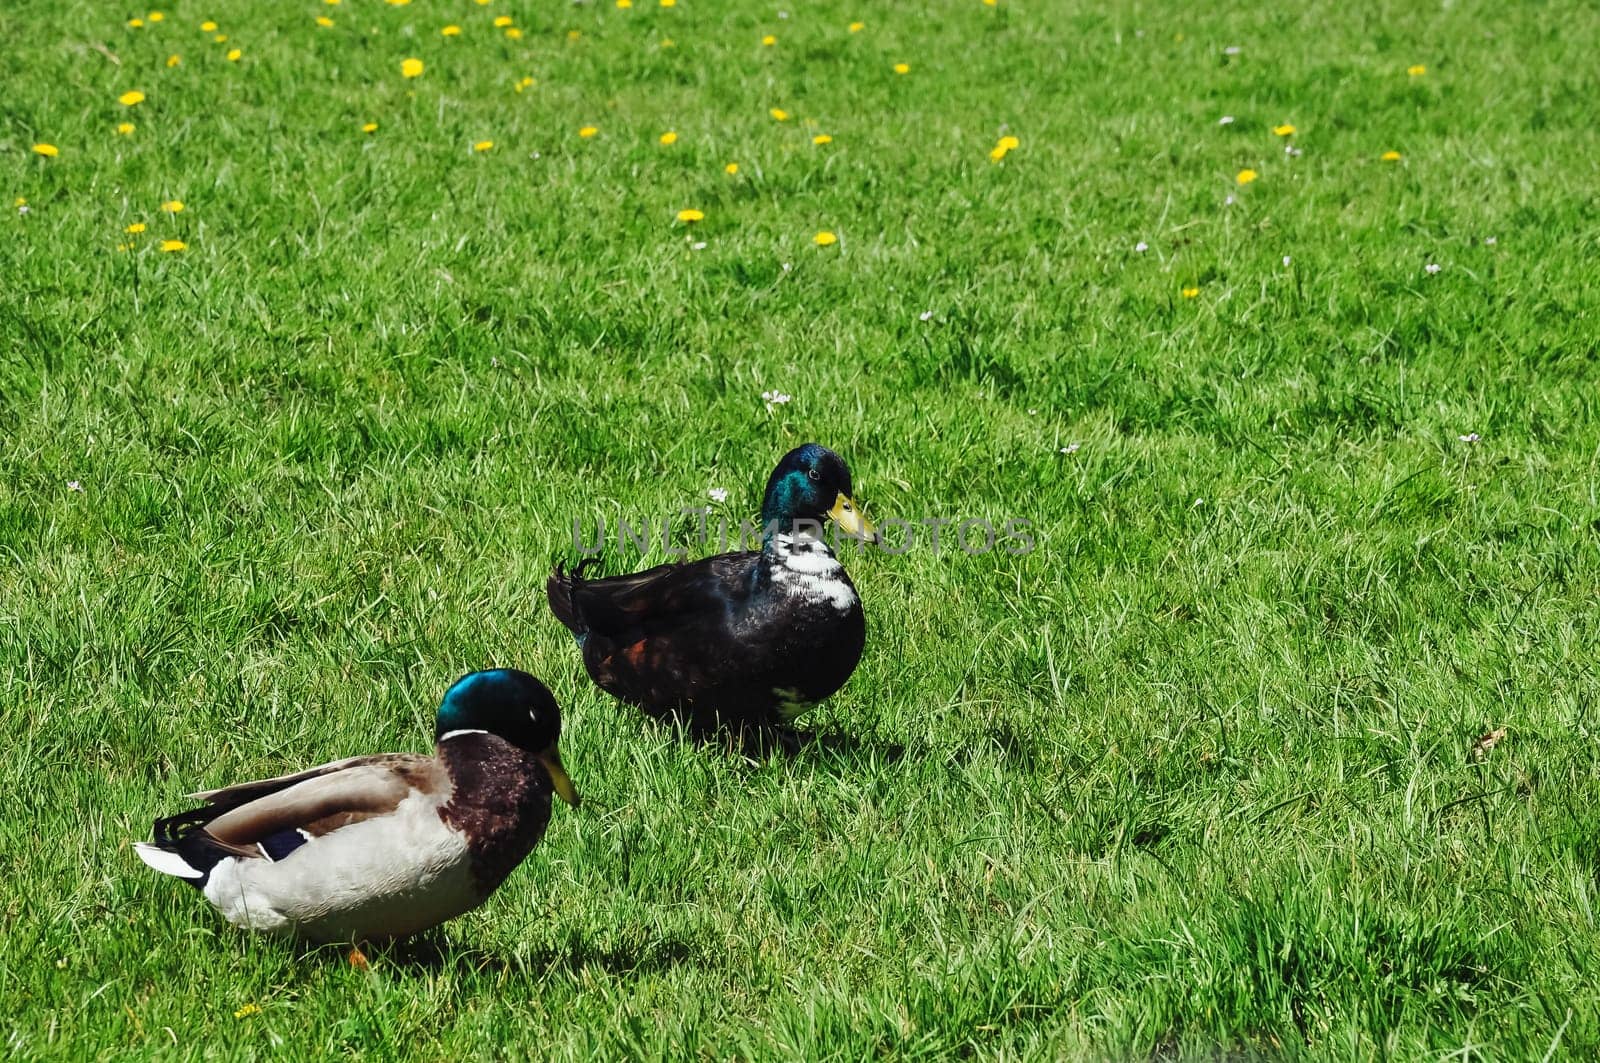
x=168 y=862
x=183 y=849
x=561 y=592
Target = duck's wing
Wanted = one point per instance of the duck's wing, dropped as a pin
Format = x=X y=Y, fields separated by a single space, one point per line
x=232 y=796
x=270 y=818
x=665 y=598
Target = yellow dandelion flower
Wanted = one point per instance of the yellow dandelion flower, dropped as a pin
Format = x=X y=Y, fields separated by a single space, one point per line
x=136 y=23
x=624 y=4
x=857 y=27
x=135 y=228
x=154 y=16
x=131 y=97
x=1245 y=176
x=220 y=38
x=248 y=1009
x=1390 y=156
x=769 y=40
x=990 y=3
x=669 y=137
x=234 y=54
x=125 y=129
x=502 y=21
x=1416 y=71
x=173 y=206
x=779 y=114
x=513 y=34
x=483 y=145
x=822 y=138
x=572 y=35
x=173 y=245
x=324 y=21
x=173 y=60
x=398 y=3
x=1010 y=143
x=669 y=3
x=1284 y=130
x=370 y=127
x=998 y=152
x=20 y=201
x=1189 y=293
x=49 y=151
x=731 y=169
x=331 y=3
x=690 y=214
x=451 y=30
x=588 y=131
x=208 y=26
x=411 y=68
x=902 y=68
x=483 y=3
x=824 y=238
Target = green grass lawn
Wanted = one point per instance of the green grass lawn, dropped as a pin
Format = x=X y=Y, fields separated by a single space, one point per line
x=1194 y=778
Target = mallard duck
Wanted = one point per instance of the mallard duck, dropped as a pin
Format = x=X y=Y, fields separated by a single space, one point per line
x=380 y=847
x=738 y=640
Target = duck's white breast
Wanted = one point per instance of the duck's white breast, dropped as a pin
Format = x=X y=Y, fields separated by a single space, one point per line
x=806 y=568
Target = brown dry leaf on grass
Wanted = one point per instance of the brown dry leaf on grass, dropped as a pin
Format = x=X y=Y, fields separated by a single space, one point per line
x=1486 y=742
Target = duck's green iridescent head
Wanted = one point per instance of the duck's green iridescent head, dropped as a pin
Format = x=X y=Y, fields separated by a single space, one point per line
x=512 y=705
x=812 y=483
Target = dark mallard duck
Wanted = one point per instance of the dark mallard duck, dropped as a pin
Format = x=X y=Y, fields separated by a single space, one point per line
x=738 y=640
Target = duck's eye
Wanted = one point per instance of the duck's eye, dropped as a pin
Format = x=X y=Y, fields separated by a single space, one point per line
x=813 y=474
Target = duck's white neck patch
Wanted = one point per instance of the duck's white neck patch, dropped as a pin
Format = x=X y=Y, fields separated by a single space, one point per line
x=462 y=733
x=805 y=567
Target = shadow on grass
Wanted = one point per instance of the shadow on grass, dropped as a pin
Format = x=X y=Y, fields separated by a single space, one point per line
x=434 y=953
x=758 y=743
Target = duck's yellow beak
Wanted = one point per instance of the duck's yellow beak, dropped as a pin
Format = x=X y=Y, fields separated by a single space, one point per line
x=558 y=775
x=847 y=515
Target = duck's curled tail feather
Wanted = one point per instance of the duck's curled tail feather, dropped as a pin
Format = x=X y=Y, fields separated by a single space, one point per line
x=561 y=590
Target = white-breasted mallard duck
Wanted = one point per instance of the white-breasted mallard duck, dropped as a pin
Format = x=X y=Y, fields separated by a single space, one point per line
x=739 y=639
x=381 y=847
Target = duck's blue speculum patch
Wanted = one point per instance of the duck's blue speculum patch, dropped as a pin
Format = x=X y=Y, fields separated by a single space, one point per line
x=277 y=846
